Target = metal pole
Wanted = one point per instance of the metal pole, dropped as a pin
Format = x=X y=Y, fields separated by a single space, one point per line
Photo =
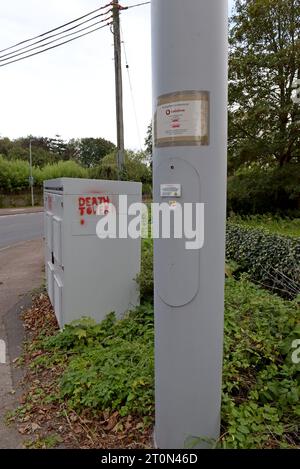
x=118 y=81
x=31 y=177
x=189 y=63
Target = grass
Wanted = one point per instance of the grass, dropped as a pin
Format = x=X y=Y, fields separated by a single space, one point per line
x=270 y=223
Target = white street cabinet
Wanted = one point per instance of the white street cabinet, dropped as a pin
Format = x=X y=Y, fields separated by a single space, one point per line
x=86 y=275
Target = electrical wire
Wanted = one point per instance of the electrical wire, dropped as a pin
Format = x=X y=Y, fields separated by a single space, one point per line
x=54 y=35
x=131 y=91
x=54 y=40
x=57 y=45
x=57 y=28
x=28 y=48
x=135 y=5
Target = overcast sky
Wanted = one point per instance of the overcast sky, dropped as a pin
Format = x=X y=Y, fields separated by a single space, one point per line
x=70 y=90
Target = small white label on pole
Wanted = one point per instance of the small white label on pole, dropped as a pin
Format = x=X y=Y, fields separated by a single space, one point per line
x=182 y=119
x=170 y=190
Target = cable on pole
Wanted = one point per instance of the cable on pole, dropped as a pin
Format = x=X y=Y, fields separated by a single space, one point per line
x=131 y=91
x=54 y=40
x=58 y=27
x=54 y=35
x=16 y=53
x=135 y=5
x=57 y=45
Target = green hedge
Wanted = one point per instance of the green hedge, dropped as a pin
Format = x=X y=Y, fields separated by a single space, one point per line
x=273 y=190
x=271 y=260
x=14 y=174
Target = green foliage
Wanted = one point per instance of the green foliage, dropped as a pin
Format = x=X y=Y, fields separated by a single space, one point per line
x=145 y=279
x=88 y=152
x=118 y=377
x=49 y=441
x=270 y=224
x=14 y=174
x=272 y=190
x=261 y=386
x=92 y=150
x=148 y=141
x=263 y=66
x=261 y=390
x=135 y=168
x=111 y=365
x=61 y=169
x=44 y=150
x=271 y=260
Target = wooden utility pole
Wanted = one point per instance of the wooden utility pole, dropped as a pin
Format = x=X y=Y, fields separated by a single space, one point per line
x=119 y=88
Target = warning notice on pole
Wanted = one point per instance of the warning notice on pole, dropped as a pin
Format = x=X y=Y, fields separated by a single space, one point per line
x=182 y=119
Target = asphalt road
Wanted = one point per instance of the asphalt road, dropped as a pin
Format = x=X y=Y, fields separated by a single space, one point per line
x=17 y=228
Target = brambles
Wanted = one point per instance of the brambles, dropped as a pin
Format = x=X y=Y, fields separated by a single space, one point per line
x=103 y=374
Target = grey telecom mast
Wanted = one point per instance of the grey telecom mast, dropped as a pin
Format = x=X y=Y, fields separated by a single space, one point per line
x=189 y=47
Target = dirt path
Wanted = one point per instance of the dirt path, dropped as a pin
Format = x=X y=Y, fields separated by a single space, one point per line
x=21 y=271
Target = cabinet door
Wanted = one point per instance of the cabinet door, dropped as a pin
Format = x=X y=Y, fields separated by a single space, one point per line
x=57 y=240
x=49 y=230
x=50 y=273
x=58 y=287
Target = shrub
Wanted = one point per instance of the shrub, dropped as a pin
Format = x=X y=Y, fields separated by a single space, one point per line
x=145 y=279
x=270 y=223
x=271 y=260
x=62 y=169
x=135 y=168
x=112 y=363
x=271 y=190
x=261 y=385
x=109 y=366
x=14 y=174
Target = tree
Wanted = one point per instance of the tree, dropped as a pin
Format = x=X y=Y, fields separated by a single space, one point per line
x=148 y=141
x=264 y=120
x=135 y=168
x=92 y=150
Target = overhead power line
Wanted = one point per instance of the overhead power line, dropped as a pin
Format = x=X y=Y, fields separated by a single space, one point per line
x=131 y=91
x=19 y=53
x=135 y=5
x=25 y=48
x=54 y=40
x=57 y=45
x=57 y=28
